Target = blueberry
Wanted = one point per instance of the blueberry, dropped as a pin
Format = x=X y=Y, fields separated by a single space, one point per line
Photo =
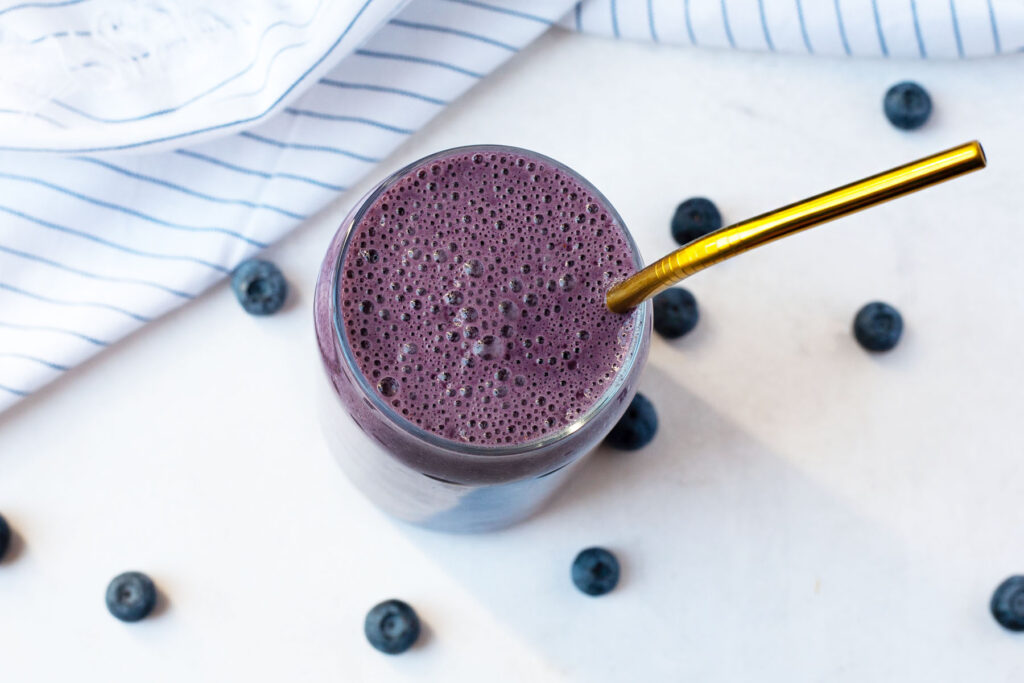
x=675 y=313
x=637 y=426
x=695 y=218
x=878 y=326
x=131 y=596
x=1008 y=603
x=5 y=536
x=595 y=571
x=907 y=105
x=392 y=627
x=259 y=286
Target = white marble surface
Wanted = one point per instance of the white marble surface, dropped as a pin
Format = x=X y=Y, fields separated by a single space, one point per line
x=807 y=513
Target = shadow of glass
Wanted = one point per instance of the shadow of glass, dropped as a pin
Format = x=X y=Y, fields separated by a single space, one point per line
x=734 y=563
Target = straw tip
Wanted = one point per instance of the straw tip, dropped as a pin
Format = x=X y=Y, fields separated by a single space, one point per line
x=980 y=151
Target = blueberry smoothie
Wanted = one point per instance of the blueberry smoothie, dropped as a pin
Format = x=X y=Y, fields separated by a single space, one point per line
x=460 y=315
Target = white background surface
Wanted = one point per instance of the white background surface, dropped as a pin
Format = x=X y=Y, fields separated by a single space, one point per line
x=808 y=512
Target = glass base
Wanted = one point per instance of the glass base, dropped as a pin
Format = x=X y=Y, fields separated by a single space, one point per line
x=427 y=501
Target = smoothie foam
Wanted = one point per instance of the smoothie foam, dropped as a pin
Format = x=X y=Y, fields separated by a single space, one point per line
x=471 y=295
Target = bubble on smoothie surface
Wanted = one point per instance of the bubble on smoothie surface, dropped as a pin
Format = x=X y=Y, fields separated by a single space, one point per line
x=472 y=295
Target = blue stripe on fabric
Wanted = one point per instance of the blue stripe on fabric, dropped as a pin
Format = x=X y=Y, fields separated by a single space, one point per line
x=878 y=29
x=453 y=31
x=16 y=392
x=56 y=330
x=842 y=28
x=129 y=211
x=651 y=22
x=33 y=114
x=956 y=29
x=418 y=60
x=995 y=27
x=380 y=88
x=917 y=30
x=218 y=126
x=199 y=195
x=311 y=181
x=94 y=276
x=764 y=26
x=113 y=245
x=803 y=27
x=41 y=5
x=615 y=18
x=348 y=119
x=60 y=302
x=308 y=148
x=689 y=24
x=725 y=24
x=504 y=10
x=35 y=359
x=61 y=34
x=262 y=174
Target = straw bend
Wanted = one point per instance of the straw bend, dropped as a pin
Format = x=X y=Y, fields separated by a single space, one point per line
x=735 y=239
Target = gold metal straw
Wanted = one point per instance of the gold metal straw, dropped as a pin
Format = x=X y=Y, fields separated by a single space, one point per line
x=735 y=239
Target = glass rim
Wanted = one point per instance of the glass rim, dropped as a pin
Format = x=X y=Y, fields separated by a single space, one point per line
x=463 y=448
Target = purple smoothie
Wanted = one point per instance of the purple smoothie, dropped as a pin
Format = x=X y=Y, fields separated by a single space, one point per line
x=473 y=298
x=460 y=313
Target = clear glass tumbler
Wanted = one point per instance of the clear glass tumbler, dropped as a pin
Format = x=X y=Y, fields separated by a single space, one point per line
x=447 y=484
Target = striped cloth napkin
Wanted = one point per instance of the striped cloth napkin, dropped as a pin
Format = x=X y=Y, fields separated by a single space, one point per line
x=149 y=146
